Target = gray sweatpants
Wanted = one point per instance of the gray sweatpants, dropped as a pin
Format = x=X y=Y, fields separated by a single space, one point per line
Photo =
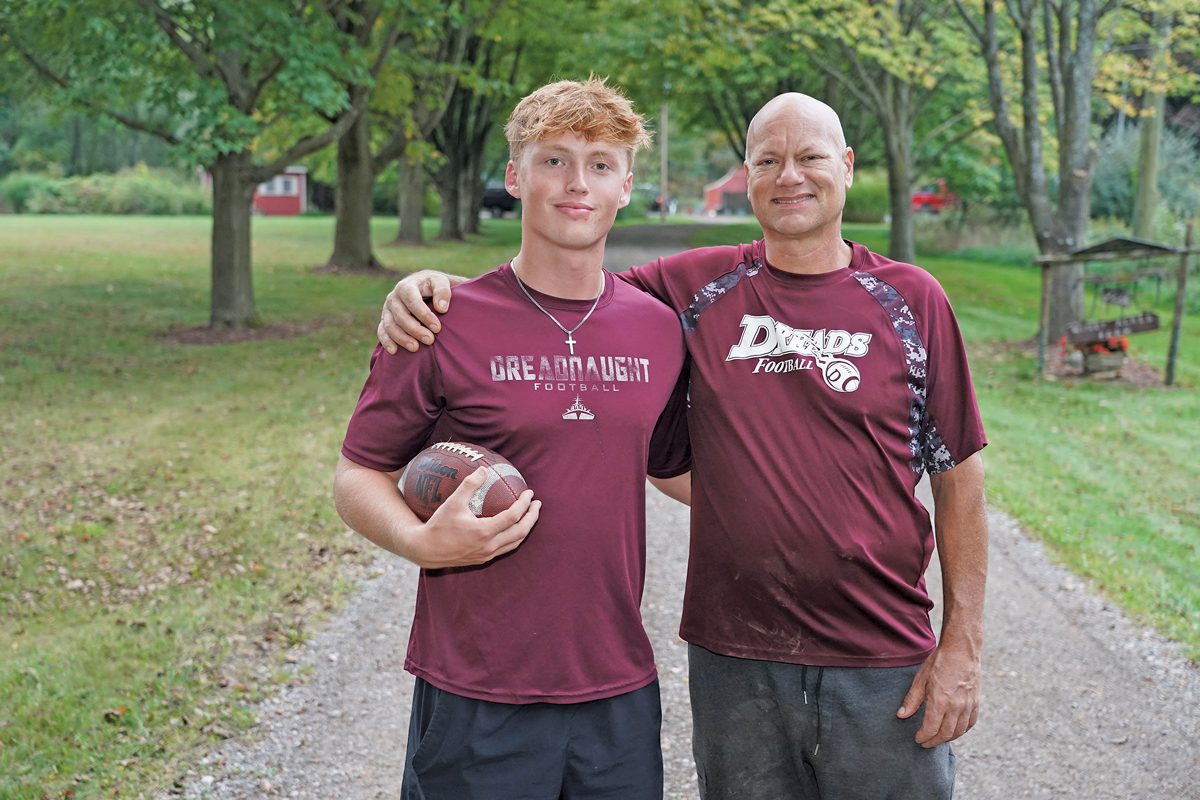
x=763 y=730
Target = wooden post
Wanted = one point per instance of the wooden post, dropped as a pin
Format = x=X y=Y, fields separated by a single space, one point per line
x=1180 y=303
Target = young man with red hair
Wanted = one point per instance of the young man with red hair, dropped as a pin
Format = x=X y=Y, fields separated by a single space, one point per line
x=535 y=677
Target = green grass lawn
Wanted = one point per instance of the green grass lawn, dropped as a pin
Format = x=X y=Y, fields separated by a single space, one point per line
x=166 y=529
x=166 y=532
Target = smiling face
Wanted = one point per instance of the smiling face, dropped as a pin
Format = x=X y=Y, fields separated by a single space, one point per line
x=798 y=169
x=570 y=190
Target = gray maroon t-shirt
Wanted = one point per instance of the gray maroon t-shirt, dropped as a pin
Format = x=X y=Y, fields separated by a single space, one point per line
x=558 y=619
x=818 y=401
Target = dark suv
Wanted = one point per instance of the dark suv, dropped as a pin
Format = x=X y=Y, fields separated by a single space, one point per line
x=496 y=200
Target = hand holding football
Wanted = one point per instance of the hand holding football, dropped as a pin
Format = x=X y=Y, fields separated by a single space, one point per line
x=435 y=472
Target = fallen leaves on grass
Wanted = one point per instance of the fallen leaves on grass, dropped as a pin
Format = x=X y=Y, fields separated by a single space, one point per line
x=113 y=716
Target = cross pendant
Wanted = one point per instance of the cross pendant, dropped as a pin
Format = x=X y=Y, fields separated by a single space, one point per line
x=571 y=342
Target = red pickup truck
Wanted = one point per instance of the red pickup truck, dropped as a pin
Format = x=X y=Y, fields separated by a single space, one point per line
x=934 y=198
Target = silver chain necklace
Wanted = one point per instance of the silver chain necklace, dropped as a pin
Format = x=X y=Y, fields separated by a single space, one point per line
x=571 y=341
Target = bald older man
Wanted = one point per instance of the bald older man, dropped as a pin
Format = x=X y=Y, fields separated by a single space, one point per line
x=826 y=380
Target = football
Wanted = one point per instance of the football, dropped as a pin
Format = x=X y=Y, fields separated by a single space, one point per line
x=840 y=375
x=437 y=471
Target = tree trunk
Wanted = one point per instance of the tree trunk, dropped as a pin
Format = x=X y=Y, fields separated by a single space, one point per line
x=901 y=243
x=410 y=201
x=450 y=217
x=1066 y=298
x=462 y=136
x=232 y=284
x=1146 y=198
x=468 y=199
x=355 y=182
x=1065 y=285
x=75 y=160
x=1068 y=61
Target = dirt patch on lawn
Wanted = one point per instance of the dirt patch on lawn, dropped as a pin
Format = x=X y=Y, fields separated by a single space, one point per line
x=205 y=335
x=361 y=272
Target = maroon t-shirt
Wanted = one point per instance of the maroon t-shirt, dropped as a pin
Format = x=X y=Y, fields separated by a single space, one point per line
x=558 y=619
x=817 y=403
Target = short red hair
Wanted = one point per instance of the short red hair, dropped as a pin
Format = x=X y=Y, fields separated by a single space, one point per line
x=591 y=109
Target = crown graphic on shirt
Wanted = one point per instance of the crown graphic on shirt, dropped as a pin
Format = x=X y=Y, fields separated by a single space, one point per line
x=578 y=411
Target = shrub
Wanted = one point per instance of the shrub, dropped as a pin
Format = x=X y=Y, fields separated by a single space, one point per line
x=134 y=191
x=17 y=188
x=638 y=208
x=867 y=200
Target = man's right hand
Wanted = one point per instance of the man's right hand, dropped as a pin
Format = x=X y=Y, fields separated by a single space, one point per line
x=406 y=320
x=455 y=537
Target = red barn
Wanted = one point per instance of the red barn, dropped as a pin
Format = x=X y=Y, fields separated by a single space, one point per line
x=728 y=195
x=284 y=195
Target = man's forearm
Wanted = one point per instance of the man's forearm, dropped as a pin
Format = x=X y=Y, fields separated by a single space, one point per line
x=368 y=501
x=960 y=514
x=948 y=683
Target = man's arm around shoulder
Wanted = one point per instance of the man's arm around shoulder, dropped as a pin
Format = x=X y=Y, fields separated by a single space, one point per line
x=407 y=321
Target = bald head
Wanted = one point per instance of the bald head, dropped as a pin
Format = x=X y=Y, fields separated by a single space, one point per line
x=798 y=169
x=794 y=109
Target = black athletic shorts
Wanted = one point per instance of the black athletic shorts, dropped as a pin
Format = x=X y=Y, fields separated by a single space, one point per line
x=464 y=749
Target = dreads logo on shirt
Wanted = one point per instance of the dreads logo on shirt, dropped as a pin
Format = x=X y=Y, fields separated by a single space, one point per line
x=766 y=339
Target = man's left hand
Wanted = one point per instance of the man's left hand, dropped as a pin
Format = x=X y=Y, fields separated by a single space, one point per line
x=948 y=684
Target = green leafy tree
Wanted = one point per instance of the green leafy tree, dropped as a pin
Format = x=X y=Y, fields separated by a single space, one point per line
x=512 y=54
x=905 y=62
x=38 y=137
x=1152 y=57
x=372 y=25
x=1036 y=50
x=716 y=63
x=409 y=100
x=421 y=98
x=894 y=71
x=1120 y=163
x=216 y=79
x=462 y=134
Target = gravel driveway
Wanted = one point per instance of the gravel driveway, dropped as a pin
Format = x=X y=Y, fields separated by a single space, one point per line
x=1077 y=701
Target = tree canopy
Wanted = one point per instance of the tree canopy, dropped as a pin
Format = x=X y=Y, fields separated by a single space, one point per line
x=1004 y=100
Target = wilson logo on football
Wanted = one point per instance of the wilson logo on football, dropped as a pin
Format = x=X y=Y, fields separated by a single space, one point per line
x=435 y=472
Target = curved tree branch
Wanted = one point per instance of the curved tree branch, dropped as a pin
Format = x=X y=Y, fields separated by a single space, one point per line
x=187 y=45
x=62 y=82
x=310 y=144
